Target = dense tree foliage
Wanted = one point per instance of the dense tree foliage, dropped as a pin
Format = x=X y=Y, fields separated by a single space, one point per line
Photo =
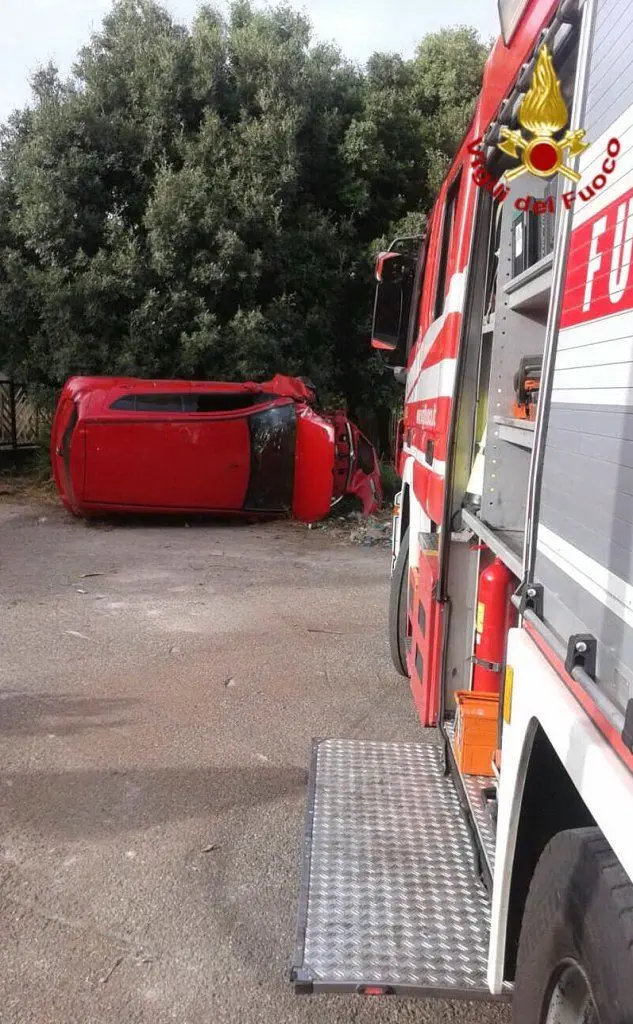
x=203 y=202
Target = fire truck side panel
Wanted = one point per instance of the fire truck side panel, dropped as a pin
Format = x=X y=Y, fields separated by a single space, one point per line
x=558 y=743
x=541 y=700
x=586 y=512
x=433 y=359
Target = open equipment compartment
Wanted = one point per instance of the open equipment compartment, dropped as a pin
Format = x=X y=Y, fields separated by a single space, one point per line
x=528 y=220
x=503 y=342
x=519 y=334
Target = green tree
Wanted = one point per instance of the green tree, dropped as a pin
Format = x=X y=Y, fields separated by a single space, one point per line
x=447 y=69
x=206 y=201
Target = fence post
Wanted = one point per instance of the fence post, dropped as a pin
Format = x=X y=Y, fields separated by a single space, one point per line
x=14 y=426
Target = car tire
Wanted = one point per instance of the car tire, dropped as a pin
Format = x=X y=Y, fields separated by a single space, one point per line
x=399 y=641
x=575 y=957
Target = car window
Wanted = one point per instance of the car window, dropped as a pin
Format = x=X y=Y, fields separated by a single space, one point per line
x=227 y=401
x=161 y=403
x=212 y=401
x=149 y=403
x=127 y=402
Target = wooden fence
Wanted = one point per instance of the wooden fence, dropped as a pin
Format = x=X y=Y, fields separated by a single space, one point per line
x=19 y=418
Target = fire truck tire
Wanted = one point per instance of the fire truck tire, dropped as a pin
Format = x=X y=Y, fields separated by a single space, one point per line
x=399 y=641
x=575 y=958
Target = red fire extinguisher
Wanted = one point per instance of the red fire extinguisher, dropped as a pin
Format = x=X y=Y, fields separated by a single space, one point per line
x=495 y=616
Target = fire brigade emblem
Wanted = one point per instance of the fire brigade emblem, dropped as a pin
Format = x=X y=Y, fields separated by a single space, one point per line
x=544 y=114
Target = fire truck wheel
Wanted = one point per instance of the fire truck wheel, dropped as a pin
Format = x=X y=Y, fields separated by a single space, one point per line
x=399 y=641
x=575 y=959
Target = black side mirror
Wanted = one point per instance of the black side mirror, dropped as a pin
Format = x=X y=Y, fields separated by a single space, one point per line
x=395 y=281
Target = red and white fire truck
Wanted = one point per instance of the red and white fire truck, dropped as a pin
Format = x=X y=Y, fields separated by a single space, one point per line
x=494 y=858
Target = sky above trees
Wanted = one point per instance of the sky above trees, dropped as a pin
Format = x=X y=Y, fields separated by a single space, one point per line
x=32 y=32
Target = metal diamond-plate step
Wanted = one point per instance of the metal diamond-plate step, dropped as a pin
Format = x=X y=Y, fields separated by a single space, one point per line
x=390 y=898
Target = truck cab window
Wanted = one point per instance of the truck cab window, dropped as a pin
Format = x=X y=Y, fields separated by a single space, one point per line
x=418 y=285
x=447 y=236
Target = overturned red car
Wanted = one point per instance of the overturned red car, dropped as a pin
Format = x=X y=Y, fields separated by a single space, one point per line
x=170 y=446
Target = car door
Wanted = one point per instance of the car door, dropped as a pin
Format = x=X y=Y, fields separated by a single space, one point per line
x=170 y=452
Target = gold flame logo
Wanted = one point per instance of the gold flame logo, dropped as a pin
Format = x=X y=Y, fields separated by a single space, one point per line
x=543 y=113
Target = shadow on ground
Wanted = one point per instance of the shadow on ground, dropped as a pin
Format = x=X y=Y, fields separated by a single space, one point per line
x=89 y=804
x=43 y=714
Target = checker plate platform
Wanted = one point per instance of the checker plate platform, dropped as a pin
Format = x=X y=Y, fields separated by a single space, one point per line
x=390 y=898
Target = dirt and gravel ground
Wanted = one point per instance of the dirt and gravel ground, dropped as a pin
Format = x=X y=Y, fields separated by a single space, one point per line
x=159 y=689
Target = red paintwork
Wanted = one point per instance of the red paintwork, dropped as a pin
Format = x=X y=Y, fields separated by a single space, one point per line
x=314 y=466
x=156 y=462
x=380 y=263
x=544 y=156
x=589 y=275
x=426 y=634
x=350 y=475
x=364 y=485
x=495 y=589
x=122 y=460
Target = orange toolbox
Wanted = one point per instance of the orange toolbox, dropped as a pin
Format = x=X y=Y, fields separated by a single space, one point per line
x=476 y=731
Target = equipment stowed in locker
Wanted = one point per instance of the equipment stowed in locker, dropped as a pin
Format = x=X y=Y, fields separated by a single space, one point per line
x=533 y=233
x=527 y=382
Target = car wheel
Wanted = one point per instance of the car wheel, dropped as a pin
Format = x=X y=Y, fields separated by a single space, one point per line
x=399 y=640
x=575 y=958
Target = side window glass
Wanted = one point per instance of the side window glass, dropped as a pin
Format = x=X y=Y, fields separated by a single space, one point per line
x=447 y=237
x=228 y=401
x=418 y=288
x=127 y=402
x=149 y=403
x=211 y=401
x=158 y=403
